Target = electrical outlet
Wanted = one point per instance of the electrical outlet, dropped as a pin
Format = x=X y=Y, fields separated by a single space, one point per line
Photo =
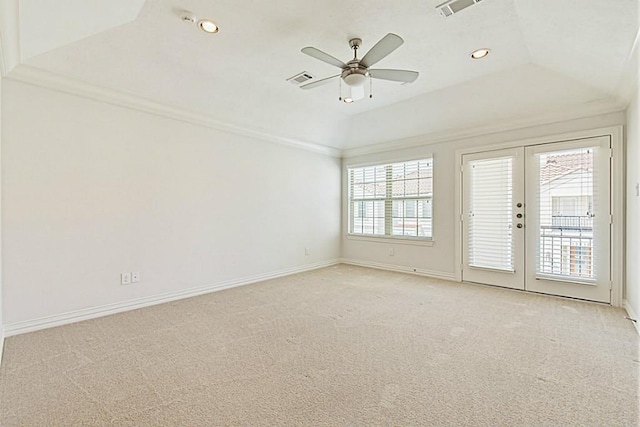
x=135 y=277
x=125 y=278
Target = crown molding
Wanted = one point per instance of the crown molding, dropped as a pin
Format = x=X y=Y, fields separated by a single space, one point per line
x=48 y=80
x=9 y=36
x=584 y=111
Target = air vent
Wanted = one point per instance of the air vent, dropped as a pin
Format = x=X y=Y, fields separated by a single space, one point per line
x=452 y=7
x=300 y=78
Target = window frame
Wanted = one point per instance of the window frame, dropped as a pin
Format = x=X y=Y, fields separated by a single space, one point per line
x=388 y=200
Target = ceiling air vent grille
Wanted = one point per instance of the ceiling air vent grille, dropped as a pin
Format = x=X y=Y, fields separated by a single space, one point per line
x=452 y=7
x=300 y=78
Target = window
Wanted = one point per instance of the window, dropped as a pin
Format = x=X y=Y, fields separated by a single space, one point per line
x=565 y=198
x=393 y=200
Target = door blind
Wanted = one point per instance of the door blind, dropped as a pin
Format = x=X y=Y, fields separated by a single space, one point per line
x=490 y=214
x=566 y=199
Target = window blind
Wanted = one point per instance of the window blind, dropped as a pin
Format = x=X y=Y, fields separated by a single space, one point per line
x=392 y=199
x=490 y=214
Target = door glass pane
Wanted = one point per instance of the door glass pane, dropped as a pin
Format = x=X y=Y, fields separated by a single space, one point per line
x=490 y=214
x=566 y=210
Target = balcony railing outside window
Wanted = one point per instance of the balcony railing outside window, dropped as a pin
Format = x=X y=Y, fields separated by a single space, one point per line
x=572 y=222
x=567 y=246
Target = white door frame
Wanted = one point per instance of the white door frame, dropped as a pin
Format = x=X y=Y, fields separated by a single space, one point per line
x=617 y=196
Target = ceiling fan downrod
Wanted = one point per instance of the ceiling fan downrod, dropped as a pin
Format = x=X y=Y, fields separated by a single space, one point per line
x=355 y=45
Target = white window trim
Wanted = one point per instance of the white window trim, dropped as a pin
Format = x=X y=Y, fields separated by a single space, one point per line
x=386 y=161
x=402 y=240
x=407 y=240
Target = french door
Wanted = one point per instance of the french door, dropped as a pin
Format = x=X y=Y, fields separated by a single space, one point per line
x=493 y=192
x=538 y=218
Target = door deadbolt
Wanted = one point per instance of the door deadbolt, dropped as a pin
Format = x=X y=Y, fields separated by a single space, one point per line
x=519 y=205
x=519 y=225
x=519 y=216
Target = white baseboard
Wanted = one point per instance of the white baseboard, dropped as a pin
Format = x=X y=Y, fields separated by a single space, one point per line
x=1 y=342
x=632 y=314
x=108 y=309
x=402 y=269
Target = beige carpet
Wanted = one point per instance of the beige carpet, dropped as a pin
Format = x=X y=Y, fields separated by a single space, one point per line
x=341 y=346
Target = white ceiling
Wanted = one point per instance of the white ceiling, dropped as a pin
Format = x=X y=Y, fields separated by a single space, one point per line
x=547 y=56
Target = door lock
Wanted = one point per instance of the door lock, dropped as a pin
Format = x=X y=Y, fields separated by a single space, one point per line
x=519 y=205
x=519 y=225
x=519 y=215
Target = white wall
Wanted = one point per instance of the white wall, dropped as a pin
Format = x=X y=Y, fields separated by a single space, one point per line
x=91 y=190
x=1 y=197
x=439 y=259
x=633 y=205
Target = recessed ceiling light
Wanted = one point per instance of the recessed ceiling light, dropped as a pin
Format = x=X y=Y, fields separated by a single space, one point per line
x=480 y=53
x=208 y=26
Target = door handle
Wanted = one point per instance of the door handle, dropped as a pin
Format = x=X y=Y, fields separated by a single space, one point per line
x=519 y=225
x=519 y=215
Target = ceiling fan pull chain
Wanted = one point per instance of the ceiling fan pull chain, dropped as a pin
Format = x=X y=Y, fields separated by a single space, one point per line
x=370 y=87
x=340 y=90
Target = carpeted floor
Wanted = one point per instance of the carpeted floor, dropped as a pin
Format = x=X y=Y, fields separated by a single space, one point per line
x=340 y=346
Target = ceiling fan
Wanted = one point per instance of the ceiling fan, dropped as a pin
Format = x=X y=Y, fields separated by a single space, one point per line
x=356 y=71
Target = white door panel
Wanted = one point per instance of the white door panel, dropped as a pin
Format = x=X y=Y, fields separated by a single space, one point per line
x=494 y=245
x=568 y=209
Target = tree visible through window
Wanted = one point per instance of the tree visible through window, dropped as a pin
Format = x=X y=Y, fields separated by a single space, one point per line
x=392 y=199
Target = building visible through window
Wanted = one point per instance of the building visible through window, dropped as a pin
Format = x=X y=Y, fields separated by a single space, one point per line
x=392 y=199
x=566 y=213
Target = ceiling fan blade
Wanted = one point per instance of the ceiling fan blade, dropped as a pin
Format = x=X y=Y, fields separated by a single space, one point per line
x=403 y=76
x=324 y=57
x=320 y=82
x=384 y=47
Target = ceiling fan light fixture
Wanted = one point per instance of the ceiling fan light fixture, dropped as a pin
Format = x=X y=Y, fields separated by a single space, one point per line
x=480 y=53
x=355 y=79
x=208 y=26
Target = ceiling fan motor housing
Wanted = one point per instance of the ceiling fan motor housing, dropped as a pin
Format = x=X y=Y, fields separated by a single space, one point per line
x=355 y=74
